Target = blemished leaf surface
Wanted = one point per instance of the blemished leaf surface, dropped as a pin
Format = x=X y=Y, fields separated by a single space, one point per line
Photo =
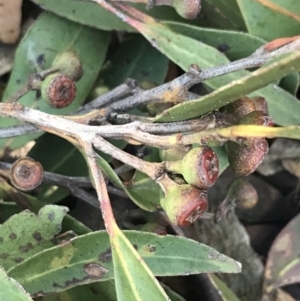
x=11 y=194
x=26 y=234
x=283 y=261
x=225 y=293
x=169 y=43
x=49 y=36
x=133 y=278
x=52 y=270
x=283 y=108
x=137 y=59
x=11 y=289
x=271 y=19
x=222 y=14
x=234 y=44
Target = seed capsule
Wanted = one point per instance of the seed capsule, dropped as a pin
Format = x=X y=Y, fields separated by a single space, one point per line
x=26 y=174
x=58 y=90
x=188 y=9
x=184 y=204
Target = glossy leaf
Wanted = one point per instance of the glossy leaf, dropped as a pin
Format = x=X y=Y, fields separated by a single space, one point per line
x=136 y=59
x=271 y=19
x=26 y=234
x=52 y=270
x=282 y=106
x=11 y=289
x=225 y=293
x=283 y=259
x=49 y=36
x=133 y=279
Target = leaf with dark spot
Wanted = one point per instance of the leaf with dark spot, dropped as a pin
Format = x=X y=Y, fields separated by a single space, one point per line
x=26 y=234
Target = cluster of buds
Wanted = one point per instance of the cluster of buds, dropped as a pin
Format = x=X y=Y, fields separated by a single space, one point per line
x=185 y=203
x=246 y=157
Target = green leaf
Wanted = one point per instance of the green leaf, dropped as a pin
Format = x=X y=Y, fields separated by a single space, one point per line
x=291 y=83
x=271 y=19
x=136 y=59
x=225 y=293
x=284 y=112
x=170 y=43
x=52 y=270
x=222 y=14
x=234 y=44
x=49 y=36
x=92 y=14
x=26 y=234
x=11 y=289
x=283 y=261
x=133 y=279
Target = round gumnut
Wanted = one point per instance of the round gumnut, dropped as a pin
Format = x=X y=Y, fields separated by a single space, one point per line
x=58 y=90
x=240 y=108
x=184 y=204
x=188 y=9
x=245 y=159
x=26 y=174
x=69 y=63
x=260 y=104
x=243 y=194
x=200 y=167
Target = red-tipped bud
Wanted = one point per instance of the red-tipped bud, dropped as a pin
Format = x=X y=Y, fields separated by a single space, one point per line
x=58 y=90
x=200 y=167
x=184 y=204
x=26 y=174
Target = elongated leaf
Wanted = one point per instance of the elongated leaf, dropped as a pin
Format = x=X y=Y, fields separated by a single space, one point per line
x=271 y=19
x=225 y=293
x=26 y=234
x=11 y=289
x=92 y=14
x=234 y=44
x=283 y=112
x=133 y=279
x=170 y=43
x=283 y=260
x=49 y=36
x=52 y=270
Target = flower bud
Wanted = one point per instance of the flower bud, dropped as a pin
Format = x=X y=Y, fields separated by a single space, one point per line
x=260 y=104
x=69 y=63
x=184 y=204
x=199 y=167
x=58 y=90
x=240 y=108
x=257 y=118
x=26 y=174
x=153 y=228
